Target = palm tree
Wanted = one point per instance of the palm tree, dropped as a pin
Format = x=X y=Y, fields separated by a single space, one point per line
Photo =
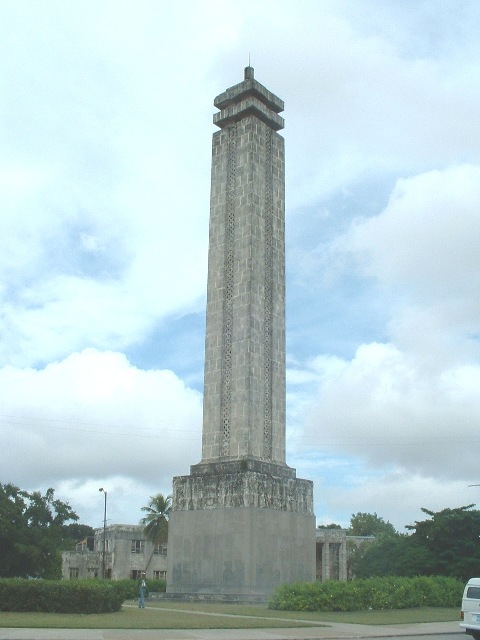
x=156 y=520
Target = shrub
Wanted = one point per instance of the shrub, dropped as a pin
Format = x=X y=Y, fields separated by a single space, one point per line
x=131 y=587
x=369 y=593
x=57 y=596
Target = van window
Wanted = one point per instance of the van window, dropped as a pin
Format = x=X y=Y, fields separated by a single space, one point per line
x=473 y=592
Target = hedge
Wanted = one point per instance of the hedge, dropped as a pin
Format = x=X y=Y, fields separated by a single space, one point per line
x=369 y=593
x=153 y=586
x=59 y=596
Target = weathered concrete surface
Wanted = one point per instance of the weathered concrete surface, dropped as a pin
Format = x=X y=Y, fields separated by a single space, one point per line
x=221 y=554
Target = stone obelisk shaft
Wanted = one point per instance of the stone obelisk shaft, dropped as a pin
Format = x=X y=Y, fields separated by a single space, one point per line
x=244 y=392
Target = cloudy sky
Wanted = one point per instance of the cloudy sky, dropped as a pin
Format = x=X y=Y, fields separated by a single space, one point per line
x=105 y=139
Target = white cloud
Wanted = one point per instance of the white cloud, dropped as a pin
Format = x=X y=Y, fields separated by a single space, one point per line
x=427 y=237
x=94 y=416
x=424 y=247
x=96 y=135
x=396 y=495
x=125 y=497
x=384 y=410
x=356 y=104
x=411 y=404
x=413 y=409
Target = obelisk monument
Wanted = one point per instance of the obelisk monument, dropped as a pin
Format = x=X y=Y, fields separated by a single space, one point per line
x=242 y=523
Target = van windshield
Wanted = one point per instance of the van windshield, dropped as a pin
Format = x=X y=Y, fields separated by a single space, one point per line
x=473 y=592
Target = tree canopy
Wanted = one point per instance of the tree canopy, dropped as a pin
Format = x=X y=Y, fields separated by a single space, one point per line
x=369 y=524
x=447 y=543
x=32 y=532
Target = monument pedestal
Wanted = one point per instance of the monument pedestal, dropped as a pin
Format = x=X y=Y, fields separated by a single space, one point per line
x=240 y=528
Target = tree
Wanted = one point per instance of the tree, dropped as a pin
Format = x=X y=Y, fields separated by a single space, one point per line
x=32 y=529
x=369 y=524
x=156 y=521
x=366 y=525
x=74 y=533
x=452 y=539
x=446 y=544
x=391 y=556
x=12 y=528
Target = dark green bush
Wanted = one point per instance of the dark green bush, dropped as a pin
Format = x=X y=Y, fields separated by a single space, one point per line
x=369 y=593
x=57 y=596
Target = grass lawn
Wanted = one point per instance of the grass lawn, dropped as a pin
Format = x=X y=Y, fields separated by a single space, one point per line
x=190 y=615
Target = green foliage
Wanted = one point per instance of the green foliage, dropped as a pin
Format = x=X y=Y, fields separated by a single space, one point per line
x=369 y=524
x=156 y=521
x=386 y=557
x=329 y=526
x=451 y=539
x=75 y=532
x=32 y=531
x=56 y=596
x=131 y=587
x=446 y=544
x=371 y=593
x=355 y=552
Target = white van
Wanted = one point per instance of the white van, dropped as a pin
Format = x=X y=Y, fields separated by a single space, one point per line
x=470 y=613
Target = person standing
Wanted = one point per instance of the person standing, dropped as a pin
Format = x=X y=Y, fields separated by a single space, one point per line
x=141 y=591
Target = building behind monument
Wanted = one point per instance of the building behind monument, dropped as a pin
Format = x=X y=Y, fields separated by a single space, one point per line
x=128 y=554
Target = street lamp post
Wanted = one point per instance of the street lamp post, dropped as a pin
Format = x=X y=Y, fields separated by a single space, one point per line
x=104 y=532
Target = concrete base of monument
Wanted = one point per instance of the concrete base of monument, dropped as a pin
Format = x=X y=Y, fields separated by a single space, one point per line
x=239 y=536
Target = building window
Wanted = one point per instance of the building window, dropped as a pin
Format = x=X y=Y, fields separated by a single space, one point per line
x=81 y=546
x=136 y=574
x=158 y=575
x=138 y=546
x=99 y=544
x=160 y=550
x=92 y=572
x=73 y=573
